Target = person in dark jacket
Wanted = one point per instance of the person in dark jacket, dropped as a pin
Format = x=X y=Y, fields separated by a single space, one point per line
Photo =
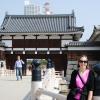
x=82 y=81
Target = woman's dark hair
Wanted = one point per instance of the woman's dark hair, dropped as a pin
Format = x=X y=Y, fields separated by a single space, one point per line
x=80 y=58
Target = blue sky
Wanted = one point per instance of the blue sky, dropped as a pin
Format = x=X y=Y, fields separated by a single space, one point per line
x=86 y=11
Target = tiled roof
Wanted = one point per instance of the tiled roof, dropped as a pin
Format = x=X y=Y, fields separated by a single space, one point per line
x=83 y=44
x=95 y=34
x=39 y=24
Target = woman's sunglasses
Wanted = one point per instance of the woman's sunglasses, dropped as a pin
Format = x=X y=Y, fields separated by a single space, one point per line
x=81 y=61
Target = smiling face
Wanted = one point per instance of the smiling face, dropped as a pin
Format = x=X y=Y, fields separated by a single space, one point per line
x=83 y=62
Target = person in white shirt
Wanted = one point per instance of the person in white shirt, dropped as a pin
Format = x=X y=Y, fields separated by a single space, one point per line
x=18 y=66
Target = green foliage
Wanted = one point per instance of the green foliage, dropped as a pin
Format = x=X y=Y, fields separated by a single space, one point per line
x=43 y=63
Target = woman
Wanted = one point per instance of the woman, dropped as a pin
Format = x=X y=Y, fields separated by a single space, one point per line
x=82 y=81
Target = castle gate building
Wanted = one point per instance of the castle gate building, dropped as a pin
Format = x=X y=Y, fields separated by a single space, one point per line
x=38 y=37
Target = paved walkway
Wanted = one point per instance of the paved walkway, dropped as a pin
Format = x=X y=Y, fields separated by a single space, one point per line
x=10 y=89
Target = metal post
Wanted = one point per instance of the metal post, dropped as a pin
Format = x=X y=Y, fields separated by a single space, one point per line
x=36 y=80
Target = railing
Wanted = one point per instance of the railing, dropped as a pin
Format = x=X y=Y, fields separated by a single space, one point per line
x=48 y=91
x=6 y=72
x=42 y=94
x=55 y=96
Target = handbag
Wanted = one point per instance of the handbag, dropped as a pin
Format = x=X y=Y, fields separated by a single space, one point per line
x=70 y=96
x=72 y=93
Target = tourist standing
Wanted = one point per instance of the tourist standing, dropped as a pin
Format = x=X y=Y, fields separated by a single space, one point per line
x=18 y=67
x=82 y=81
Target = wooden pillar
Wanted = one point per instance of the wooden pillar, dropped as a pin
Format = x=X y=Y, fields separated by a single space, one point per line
x=12 y=36
x=24 y=44
x=48 y=52
x=36 y=37
x=60 y=43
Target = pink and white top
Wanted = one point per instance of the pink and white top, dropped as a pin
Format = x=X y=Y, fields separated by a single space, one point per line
x=79 y=83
